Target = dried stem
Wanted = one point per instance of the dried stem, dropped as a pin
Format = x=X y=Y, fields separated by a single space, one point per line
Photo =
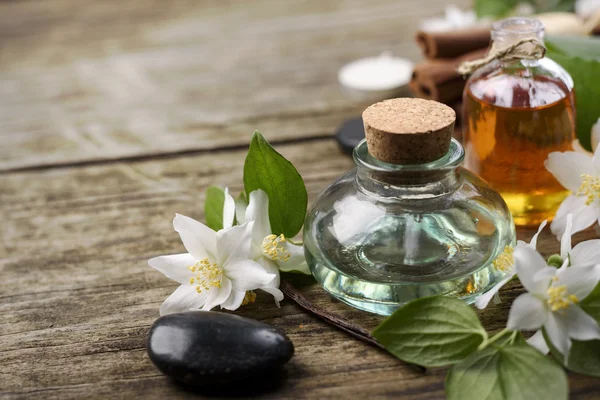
x=333 y=319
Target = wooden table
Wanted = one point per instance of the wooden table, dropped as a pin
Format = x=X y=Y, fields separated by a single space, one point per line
x=116 y=115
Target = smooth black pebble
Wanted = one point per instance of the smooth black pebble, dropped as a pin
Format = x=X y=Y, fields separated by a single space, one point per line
x=212 y=348
x=350 y=134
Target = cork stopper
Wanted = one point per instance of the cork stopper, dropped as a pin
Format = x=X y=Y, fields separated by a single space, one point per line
x=408 y=131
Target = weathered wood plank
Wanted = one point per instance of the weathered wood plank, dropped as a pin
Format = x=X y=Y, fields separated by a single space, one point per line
x=95 y=80
x=77 y=297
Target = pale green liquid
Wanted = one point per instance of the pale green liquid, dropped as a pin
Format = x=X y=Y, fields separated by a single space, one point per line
x=409 y=256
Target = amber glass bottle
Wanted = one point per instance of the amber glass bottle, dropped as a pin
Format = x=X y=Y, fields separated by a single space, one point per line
x=515 y=113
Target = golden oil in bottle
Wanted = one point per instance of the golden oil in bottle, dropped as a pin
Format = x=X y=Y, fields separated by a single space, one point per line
x=515 y=114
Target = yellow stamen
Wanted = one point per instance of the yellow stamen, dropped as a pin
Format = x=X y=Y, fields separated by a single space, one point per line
x=249 y=298
x=505 y=261
x=273 y=249
x=590 y=187
x=207 y=275
x=559 y=299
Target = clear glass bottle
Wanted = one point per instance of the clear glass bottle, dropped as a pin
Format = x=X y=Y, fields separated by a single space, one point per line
x=384 y=234
x=515 y=113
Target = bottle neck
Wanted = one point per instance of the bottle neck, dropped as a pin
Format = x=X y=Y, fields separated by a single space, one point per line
x=408 y=182
x=408 y=186
x=512 y=30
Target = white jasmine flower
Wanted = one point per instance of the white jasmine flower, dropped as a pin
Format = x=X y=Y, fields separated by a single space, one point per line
x=273 y=252
x=216 y=270
x=578 y=148
x=278 y=249
x=583 y=253
x=538 y=342
x=587 y=252
x=505 y=262
x=581 y=175
x=551 y=299
x=229 y=210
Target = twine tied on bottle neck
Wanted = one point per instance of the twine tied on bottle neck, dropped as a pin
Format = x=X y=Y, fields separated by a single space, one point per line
x=516 y=51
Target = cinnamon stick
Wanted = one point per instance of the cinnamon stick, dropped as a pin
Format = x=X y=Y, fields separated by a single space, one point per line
x=453 y=43
x=438 y=79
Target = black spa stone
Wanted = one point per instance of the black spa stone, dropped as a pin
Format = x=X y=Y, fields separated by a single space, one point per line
x=350 y=134
x=206 y=348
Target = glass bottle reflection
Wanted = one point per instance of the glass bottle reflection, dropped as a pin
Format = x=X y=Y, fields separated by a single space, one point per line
x=384 y=234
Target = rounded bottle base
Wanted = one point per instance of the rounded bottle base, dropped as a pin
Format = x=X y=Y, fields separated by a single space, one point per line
x=386 y=297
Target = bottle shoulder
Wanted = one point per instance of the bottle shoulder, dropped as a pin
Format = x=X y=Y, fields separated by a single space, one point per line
x=521 y=84
x=557 y=71
x=348 y=216
x=346 y=198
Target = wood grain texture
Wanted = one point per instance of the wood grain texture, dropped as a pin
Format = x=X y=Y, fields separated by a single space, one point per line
x=83 y=80
x=77 y=297
x=114 y=115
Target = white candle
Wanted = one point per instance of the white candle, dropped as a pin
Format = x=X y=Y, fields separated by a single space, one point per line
x=385 y=72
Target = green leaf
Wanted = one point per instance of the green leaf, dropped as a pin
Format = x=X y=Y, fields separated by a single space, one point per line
x=502 y=8
x=584 y=357
x=514 y=337
x=574 y=46
x=432 y=331
x=554 y=6
x=268 y=170
x=591 y=304
x=494 y=8
x=585 y=74
x=213 y=207
x=511 y=372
